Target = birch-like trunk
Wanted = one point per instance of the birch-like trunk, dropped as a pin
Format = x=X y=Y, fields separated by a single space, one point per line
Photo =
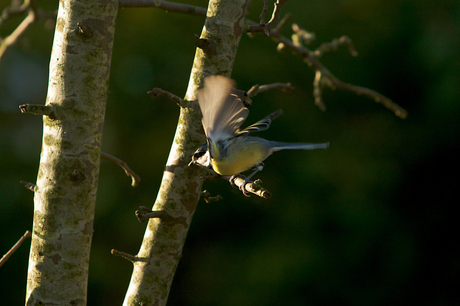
x=164 y=238
x=66 y=186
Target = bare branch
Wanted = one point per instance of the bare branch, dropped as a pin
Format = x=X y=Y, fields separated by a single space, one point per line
x=33 y=14
x=38 y=109
x=127 y=256
x=13 y=37
x=208 y=46
x=165 y=5
x=318 y=92
x=282 y=22
x=262 y=17
x=134 y=177
x=14 y=10
x=302 y=36
x=253 y=187
x=144 y=216
x=28 y=185
x=334 y=44
x=310 y=57
x=262 y=27
x=264 y=11
x=160 y=92
x=377 y=97
x=277 y=29
x=256 y=89
x=208 y=198
x=201 y=11
x=15 y=247
x=324 y=76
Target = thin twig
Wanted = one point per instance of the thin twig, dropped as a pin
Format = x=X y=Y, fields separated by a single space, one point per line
x=264 y=11
x=205 y=195
x=15 y=247
x=127 y=256
x=11 y=39
x=318 y=92
x=160 y=92
x=253 y=187
x=134 y=177
x=12 y=11
x=334 y=44
x=308 y=56
x=28 y=185
x=266 y=27
x=38 y=109
x=200 y=11
x=165 y=5
x=328 y=78
x=281 y=23
x=372 y=94
x=149 y=214
x=33 y=14
x=208 y=46
x=301 y=36
x=262 y=17
x=256 y=89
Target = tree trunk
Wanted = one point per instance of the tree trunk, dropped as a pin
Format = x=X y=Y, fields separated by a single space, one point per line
x=179 y=192
x=66 y=186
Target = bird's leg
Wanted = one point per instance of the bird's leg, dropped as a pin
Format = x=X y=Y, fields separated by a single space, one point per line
x=258 y=167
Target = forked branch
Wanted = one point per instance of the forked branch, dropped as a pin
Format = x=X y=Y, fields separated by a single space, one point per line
x=301 y=37
x=323 y=76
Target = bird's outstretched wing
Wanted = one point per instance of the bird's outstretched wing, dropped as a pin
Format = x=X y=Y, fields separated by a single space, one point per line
x=260 y=125
x=223 y=112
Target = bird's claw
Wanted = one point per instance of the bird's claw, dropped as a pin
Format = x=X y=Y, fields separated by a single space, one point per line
x=242 y=188
x=231 y=180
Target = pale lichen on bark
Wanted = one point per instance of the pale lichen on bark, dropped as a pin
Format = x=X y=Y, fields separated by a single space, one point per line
x=224 y=25
x=66 y=186
x=179 y=192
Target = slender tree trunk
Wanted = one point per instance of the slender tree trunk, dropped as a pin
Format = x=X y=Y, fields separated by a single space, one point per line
x=66 y=186
x=179 y=192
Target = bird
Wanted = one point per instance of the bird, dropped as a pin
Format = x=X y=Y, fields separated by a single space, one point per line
x=229 y=151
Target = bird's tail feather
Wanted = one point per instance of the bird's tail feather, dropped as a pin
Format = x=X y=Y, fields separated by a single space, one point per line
x=277 y=146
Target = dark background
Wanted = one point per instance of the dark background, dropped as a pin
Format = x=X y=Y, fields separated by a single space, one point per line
x=370 y=221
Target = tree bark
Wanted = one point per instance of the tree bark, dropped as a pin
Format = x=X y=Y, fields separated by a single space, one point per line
x=164 y=238
x=66 y=186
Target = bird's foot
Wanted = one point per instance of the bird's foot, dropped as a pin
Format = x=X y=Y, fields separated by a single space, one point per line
x=242 y=187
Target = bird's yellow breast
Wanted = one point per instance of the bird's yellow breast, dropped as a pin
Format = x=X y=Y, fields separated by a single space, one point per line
x=242 y=154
